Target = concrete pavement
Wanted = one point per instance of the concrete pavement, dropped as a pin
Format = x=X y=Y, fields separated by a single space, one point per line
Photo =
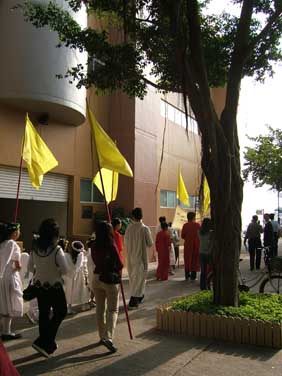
x=150 y=353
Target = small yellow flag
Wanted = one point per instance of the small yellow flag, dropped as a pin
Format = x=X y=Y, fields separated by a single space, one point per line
x=36 y=154
x=182 y=194
x=109 y=155
x=207 y=197
x=110 y=180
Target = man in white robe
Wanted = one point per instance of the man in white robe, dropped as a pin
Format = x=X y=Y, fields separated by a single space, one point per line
x=137 y=239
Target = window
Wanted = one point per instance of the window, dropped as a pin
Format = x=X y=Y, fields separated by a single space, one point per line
x=89 y=192
x=177 y=116
x=194 y=204
x=168 y=199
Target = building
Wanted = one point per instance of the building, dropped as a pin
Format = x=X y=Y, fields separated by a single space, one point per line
x=57 y=109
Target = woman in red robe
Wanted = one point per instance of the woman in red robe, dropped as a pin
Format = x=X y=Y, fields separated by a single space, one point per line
x=116 y=223
x=189 y=233
x=6 y=366
x=163 y=244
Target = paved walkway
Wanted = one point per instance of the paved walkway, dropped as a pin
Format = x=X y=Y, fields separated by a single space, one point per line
x=150 y=353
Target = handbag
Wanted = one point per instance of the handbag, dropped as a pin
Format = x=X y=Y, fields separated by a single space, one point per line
x=30 y=292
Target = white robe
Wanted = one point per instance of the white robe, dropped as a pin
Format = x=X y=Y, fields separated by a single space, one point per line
x=74 y=281
x=25 y=277
x=11 y=300
x=137 y=239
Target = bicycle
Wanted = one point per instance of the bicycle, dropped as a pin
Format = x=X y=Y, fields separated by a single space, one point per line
x=270 y=277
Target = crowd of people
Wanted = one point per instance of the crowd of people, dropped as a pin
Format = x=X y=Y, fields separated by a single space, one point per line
x=62 y=274
x=271 y=232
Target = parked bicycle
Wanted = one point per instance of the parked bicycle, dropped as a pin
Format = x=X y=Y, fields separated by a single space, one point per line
x=269 y=278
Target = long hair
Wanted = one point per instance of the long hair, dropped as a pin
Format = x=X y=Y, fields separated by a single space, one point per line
x=6 y=230
x=48 y=234
x=206 y=226
x=104 y=235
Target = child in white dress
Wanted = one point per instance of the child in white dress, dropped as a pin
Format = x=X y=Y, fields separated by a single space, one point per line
x=75 y=281
x=11 y=301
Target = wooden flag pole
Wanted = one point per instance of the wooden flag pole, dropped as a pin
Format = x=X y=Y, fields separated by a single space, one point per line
x=109 y=220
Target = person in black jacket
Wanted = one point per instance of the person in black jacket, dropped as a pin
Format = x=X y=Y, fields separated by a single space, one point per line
x=268 y=239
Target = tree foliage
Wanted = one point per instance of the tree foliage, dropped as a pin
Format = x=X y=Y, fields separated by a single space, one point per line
x=154 y=34
x=264 y=160
x=188 y=50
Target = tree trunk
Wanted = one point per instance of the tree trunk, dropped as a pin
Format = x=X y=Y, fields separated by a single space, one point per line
x=221 y=164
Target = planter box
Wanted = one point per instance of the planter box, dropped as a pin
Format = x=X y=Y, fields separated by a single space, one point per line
x=245 y=331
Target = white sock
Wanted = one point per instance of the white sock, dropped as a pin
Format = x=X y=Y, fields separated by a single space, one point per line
x=6 y=321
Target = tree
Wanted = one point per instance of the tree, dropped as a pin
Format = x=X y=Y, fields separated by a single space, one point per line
x=187 y=51
x=263 y=162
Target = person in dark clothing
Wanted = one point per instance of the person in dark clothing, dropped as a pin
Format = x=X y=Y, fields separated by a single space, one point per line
x=48 y=261
x=254 y=242
x=108 y=265
x=275 y=226
x=268 y=239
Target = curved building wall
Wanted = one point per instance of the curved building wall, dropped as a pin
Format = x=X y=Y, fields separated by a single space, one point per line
x=30 y=62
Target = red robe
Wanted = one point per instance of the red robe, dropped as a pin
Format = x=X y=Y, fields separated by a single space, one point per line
x=189 y=233
x=118 y=241
x=163 y=243
x=6 y=366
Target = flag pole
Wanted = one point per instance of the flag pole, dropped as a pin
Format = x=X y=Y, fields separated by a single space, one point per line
x=19 y=182
x=18 y=190
x=109 y=220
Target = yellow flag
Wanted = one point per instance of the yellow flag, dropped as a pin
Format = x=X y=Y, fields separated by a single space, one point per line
x=182 y=194
x=109 y=155
x=36 y=154
x=110 y=180
x=207 y=197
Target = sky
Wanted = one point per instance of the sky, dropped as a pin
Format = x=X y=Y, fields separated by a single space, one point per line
x=260 y=104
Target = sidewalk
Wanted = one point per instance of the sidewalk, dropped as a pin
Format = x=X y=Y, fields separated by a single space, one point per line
x=150 y=352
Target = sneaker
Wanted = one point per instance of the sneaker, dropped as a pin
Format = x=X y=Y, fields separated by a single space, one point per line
x=171 y=272
x=11 y=336
x=40 y=350
x=109 y=345
x=53 y=349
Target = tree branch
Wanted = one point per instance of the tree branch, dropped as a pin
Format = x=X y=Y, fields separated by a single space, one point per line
x=265 y=31
x=236 y=69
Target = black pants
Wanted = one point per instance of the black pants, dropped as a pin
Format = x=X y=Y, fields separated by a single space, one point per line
x=176 y=251
x=275 y=244
x=255 y=252
x=49 y=322
x=204 y=261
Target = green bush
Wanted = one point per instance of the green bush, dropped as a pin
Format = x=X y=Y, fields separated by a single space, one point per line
x=266 y=307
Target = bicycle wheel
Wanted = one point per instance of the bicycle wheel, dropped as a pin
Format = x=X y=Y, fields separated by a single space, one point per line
x=271 y=285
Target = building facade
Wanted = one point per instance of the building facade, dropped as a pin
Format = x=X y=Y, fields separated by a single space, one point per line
x=150 y=133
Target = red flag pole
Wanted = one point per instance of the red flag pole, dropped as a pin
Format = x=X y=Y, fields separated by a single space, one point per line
x=109 y=220
x=18 y=191
x=19 y=182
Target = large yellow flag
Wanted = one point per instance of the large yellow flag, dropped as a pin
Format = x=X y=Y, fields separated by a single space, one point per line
x=109 y=155
x=110 y=180
x=207 y=197
x=182 y=194
x=36 y=154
